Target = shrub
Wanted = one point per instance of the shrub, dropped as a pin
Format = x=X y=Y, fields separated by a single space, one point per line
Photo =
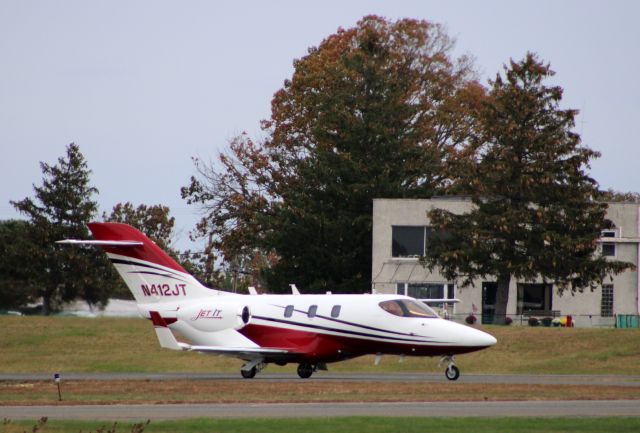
x=508 y=320
x=533 y=321
x=547 y=321
x=471 y=319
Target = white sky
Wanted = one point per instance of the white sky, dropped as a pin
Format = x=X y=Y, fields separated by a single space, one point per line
x=142 y=86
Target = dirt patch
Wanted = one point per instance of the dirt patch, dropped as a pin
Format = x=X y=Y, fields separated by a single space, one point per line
x=247 y=391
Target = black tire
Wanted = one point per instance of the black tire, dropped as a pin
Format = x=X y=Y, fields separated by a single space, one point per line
x=250 y=374
x=305 y=371
x=452 y=372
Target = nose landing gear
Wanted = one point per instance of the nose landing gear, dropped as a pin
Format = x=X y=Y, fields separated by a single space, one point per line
x=452 y=372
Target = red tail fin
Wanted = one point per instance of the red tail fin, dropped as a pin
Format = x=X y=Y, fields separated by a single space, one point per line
x=148 y=252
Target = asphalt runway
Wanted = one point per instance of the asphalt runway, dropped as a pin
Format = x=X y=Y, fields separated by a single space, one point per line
x=157 y=412
x=528 y=379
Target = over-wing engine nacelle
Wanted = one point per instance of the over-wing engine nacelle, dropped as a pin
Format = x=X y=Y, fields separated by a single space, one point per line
x=213 y=316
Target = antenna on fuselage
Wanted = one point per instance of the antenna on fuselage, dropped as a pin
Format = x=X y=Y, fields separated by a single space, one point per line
x=294 y=289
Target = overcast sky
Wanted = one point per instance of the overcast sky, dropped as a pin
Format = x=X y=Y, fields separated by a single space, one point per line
x=142 y=86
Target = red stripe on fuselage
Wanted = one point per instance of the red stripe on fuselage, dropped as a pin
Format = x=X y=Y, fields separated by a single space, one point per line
x=318 y=347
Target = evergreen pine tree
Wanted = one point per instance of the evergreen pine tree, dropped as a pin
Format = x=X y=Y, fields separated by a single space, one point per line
x=60 y=209
x=535 y=210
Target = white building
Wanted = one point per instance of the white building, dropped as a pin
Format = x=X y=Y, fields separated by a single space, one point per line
x=400 y=236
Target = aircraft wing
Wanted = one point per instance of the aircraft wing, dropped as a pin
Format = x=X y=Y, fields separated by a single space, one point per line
x=168 y=341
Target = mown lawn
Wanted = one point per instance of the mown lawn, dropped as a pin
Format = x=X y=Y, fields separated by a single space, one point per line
x=347 y=425
x=70 y=344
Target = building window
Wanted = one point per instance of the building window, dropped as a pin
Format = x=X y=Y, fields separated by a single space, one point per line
x=606 y=304
x=451 y=291
x=534 y=298
x=608 y=249
x=489 y=289
x=426 y=291
x=288 y=311
x=608 y=234
x=312 y=311
x=407 y=241
x=335 y=311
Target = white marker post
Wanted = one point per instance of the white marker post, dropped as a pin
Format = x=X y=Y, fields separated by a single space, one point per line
x=56 y=379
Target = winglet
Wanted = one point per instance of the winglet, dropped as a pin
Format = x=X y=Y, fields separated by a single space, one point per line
x=164 y=334
x=101 y=243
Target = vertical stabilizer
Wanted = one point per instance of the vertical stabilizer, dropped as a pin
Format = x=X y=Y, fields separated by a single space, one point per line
x=150 y=273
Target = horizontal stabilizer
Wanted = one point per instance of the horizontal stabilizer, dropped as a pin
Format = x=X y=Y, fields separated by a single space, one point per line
x=101 y=243
x=164 y=334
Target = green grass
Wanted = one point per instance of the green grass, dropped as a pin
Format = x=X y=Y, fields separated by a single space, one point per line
x=351 y=424
x=71 y=344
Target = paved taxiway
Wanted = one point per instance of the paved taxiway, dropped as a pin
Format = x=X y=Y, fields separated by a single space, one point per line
x=294 y=410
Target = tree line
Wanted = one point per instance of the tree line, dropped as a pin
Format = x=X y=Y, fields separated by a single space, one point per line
x=385 y=110
x=35 y=269
x=380 y=110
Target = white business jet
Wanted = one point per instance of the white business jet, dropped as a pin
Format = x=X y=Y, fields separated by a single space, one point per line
x=310 y=330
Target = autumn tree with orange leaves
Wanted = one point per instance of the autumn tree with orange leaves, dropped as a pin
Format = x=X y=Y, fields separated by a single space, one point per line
x=378 y=110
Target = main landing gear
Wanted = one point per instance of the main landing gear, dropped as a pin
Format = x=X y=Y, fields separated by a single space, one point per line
x=306 y=370
x=452 y=372
x=250 y=369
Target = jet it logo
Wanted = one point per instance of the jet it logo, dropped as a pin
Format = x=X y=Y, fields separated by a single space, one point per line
x=208 y=314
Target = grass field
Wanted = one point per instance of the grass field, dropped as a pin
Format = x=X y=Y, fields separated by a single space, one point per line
x=352 y=424
x=69 y=344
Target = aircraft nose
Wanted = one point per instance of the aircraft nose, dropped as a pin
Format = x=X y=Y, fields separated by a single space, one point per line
x=483 y=339
x=489 y=340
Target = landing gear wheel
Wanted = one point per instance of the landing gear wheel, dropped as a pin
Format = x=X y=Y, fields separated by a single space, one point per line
x=452 y=372
x=249 y=374
x=305 y=370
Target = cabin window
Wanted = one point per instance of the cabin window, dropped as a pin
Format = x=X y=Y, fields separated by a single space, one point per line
x=335 y=311
x=312 y=311
x=288 y=311
x=407 y=308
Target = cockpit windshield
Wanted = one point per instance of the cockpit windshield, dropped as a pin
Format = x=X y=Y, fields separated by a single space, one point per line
x=407 y=308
